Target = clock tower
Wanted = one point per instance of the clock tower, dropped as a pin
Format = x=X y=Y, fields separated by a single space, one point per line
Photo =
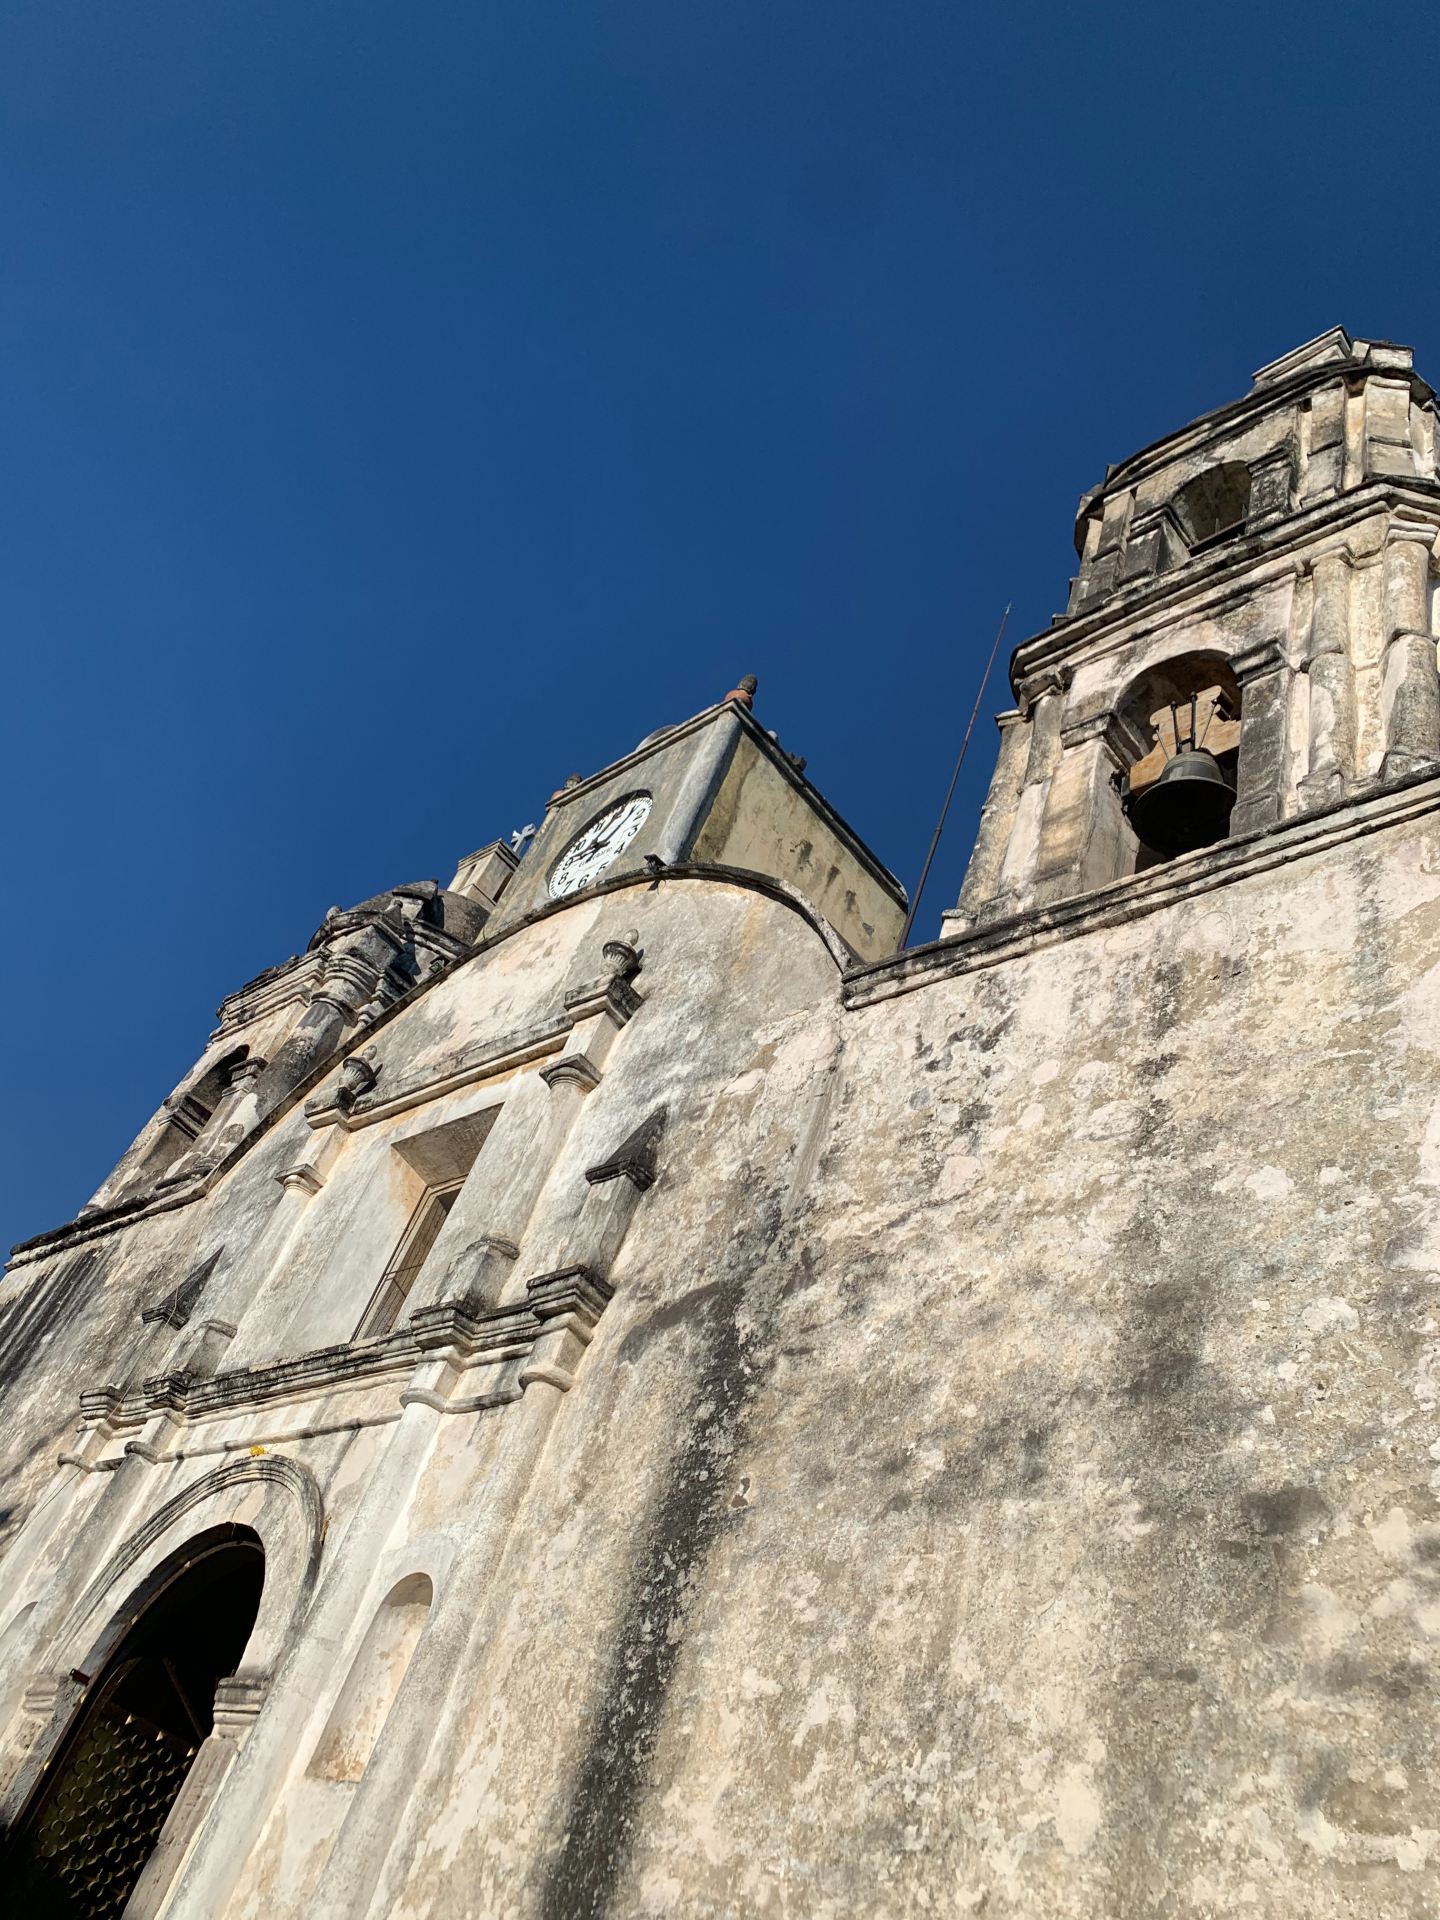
x=716 y=791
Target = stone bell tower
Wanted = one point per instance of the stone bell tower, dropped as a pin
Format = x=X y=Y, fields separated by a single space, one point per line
x=1258 y=584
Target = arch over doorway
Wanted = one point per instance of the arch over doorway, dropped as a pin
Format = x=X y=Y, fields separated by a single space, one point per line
x=92 y=1820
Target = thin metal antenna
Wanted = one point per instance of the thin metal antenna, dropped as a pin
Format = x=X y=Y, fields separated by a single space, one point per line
x=950 y=795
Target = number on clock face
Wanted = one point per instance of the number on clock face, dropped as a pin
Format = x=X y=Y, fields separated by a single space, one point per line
x=592 y=850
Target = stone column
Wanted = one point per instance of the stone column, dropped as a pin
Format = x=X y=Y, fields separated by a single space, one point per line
x=467 y=1612
x=1041 y=701
x=305 y=1677
x=354 y=966
x=200 y=1350
x=997 y=818
x=1324 y=473
x=1082 y=834
x=1332 y=684
x=1409 y=685
x=1264 y=676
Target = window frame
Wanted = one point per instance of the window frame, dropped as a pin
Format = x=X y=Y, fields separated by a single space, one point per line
x=403 y=1268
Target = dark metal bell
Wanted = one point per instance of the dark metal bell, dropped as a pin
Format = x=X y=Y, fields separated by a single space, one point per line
x=1187 y=807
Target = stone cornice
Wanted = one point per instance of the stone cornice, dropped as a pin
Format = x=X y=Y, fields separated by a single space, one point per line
x=572 y=1298
x=277 y=987
x=114 y=1219
x=1233 y=572
x=1125 y=900
x=1236 y=414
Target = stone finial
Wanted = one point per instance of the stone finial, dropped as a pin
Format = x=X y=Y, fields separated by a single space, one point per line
x=624 y=955
x=744 y=690
x=357 y=1076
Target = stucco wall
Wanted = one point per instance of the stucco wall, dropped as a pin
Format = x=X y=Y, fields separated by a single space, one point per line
x=1003 y=1481
x=764 y=821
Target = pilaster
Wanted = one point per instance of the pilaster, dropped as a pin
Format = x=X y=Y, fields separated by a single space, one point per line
x=1332 y=682
x=1264 y=676
x=997 y=820
x=1083 y=828
x=1409 y=684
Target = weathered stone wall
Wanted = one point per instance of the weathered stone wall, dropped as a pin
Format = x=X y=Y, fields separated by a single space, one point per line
x=1035 y=1513
x=1003 y=1480
x=948 y=1433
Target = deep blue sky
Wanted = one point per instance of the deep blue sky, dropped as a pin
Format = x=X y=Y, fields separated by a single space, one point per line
x=404 y=406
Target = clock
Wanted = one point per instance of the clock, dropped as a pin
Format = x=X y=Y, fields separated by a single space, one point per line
x=595 y=846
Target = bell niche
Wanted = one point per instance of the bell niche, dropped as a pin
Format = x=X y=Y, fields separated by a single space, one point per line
x=1180 y=795
x=1249 y=641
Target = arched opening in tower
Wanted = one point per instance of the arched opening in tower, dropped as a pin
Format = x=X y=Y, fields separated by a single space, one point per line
x=1179 y=793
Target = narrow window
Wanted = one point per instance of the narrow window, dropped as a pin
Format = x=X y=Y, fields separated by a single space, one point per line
x=420 y=1235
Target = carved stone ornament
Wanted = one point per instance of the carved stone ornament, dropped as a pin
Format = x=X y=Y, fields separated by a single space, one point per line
x=624 y=956
x=177 y=1306
x=357 y=1076
x=637 y=1158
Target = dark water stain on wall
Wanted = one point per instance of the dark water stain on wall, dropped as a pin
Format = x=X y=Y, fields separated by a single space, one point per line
x=692 y=1509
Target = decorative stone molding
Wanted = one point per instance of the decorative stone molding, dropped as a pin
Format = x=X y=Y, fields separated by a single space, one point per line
x=304 y=1175
x=237 y=1704
x=1122 y=741
x=460 y=1332
x=1033 y=690
x=483 y=1062
x=1272 y=486
x=572 y=1070
x=636 y=1158
x=176 y=1307
x=1257 y=660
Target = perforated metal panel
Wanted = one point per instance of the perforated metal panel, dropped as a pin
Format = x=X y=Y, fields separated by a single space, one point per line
x=87 y=1840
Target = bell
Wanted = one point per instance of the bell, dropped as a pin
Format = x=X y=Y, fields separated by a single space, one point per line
x=1187 y=807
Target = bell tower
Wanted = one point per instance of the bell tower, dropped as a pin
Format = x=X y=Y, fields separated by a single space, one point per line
x=1250 y=637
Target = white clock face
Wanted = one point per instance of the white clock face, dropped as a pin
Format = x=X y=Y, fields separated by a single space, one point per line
x=592 y=850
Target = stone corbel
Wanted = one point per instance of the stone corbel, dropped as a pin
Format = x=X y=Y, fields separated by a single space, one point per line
x=568 y=1303
x=1050 y=680
x=238 y=1701
x=571 y=1070
x=1121 y=740
x=165 y=1400
x=97 y=1427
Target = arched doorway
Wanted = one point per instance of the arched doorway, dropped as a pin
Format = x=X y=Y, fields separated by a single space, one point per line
x=97 y=1810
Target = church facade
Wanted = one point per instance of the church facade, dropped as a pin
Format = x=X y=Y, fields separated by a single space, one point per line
x=611 y=1391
